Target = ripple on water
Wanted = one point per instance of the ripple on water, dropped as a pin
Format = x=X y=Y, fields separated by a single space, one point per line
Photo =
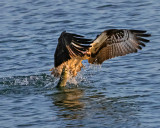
x=123 y=92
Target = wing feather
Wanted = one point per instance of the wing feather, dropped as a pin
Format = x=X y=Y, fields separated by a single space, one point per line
x=70 y=46
x=73 y=48
x=116 y=42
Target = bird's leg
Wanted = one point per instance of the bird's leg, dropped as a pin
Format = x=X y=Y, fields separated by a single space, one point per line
x=63 y=78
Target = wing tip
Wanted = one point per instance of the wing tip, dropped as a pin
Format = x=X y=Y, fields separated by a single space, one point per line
x=142 y=33
x=138 y=31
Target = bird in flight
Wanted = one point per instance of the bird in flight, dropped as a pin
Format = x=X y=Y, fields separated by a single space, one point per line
x=72 y=49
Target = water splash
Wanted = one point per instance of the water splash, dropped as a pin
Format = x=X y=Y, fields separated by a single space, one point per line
x=50 y=81
x=41 y=79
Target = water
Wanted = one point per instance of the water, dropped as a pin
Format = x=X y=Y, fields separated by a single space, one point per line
x=123 y=92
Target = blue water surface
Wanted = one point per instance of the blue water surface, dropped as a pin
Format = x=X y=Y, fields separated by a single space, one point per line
x=123 y=92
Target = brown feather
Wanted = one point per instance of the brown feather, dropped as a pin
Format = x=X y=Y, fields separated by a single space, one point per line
x=73 y=48
x=116 y=42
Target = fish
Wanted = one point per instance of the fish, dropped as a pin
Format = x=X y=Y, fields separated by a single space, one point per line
x=63 y=78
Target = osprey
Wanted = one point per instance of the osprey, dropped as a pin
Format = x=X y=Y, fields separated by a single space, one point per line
x=73 y=48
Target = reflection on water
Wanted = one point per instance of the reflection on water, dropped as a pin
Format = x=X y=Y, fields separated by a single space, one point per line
x=80 y=106
x=29 y=31
x=74 y=105
x=69 y=100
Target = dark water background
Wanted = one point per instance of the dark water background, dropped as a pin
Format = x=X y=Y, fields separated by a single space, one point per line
x=123 y=92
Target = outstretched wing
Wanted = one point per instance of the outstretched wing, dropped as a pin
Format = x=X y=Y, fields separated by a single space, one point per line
x=116 y=42
x=70 y=46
